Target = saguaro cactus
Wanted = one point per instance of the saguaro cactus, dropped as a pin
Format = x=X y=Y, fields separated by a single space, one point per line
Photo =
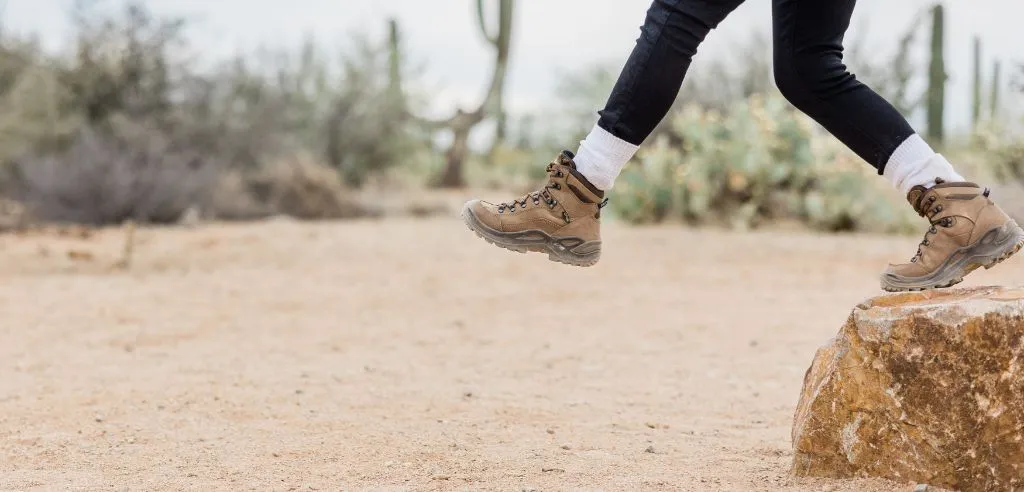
x=976 y=93
x=500 y=40
x=993 y=97
x=937 y=76
x=463 y=122
x=394 y=59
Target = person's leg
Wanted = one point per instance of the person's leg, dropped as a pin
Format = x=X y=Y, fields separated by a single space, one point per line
x=562 y=218
x=809 y=71
x=968 y=230
x=648 y=84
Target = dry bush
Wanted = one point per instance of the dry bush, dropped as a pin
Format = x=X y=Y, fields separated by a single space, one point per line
x=105 y=177
x=304 y=189
x=232 y=200
x=123 y=125
x=13 y=216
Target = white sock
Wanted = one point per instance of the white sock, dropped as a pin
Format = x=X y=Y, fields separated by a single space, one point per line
x=915 y=163
x=602 y=156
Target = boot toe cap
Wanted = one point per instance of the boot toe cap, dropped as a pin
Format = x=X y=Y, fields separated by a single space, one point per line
x=905 y=270
x=484 y=213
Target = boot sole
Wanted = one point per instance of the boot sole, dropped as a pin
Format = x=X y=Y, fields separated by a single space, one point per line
x=993 y=248
x=558 y=249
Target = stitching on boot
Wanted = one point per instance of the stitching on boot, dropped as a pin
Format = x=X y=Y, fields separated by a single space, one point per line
x=960 y=197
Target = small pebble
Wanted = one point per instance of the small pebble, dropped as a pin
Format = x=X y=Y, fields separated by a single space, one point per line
x=922 y=487
x=566 y=447
x=650 y=449
x=551 y=431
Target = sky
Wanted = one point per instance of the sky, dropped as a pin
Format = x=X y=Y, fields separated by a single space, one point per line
x=551 y=37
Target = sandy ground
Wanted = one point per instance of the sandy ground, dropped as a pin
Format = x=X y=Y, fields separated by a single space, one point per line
x=409 y=355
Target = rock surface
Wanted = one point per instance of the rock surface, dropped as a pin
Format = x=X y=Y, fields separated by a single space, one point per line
x=923 y=387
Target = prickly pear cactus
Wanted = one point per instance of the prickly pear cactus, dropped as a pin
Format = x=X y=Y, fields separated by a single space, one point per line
x=759 y=162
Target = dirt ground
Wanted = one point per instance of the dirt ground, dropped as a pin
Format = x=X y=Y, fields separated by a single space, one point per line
x=408 y=355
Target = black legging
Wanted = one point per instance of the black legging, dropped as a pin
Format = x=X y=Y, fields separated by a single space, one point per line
x=809 y=71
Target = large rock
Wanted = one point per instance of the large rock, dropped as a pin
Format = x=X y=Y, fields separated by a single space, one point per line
x=922 y=387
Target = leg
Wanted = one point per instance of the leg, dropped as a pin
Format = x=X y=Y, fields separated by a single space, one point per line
x=809 y=71
x=967 y=230
x=649 y=83
x=562 y=219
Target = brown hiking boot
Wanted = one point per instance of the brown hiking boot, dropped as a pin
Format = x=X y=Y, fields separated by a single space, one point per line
x=968 y=231
x=561 y=219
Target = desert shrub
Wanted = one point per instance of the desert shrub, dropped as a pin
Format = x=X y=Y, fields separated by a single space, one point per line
x=511 y=168
x=302 y=188
x=34 y=115
x=124 y=107
x=93 y=136
x=1001 y=150
x=277 y=104
x=13 y=216
x=369 y=129
x=756 y=163
x=105 y=177
x=231 y=199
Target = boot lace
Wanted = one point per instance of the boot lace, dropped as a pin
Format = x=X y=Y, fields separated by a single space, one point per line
x=930 y=212
x=544 y=194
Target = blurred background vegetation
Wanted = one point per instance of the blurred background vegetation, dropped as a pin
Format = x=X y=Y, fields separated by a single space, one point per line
x=124 y=125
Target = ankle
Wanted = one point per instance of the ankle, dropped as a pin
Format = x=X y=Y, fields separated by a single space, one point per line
x=915 y=163
x=601 y=157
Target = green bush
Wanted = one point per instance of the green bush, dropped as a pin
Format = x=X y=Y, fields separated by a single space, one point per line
x=759 y=162
x=1001 y=151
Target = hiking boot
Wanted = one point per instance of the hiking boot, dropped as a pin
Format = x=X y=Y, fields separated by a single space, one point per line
x=968 y=231
x=561 y=219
